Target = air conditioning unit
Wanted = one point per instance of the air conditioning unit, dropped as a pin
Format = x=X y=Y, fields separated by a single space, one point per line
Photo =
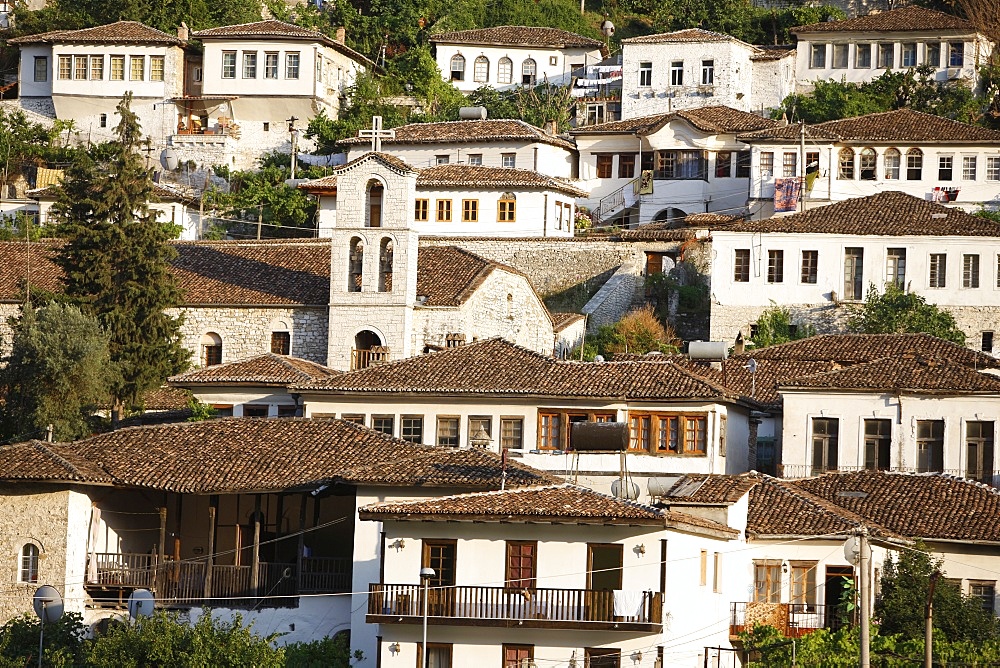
x=954 y=72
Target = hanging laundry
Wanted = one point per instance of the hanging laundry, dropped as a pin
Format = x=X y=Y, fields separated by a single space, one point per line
x=786 y=194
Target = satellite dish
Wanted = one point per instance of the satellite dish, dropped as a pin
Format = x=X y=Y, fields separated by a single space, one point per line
x=608 y=28
x=48 y=604
x=630 y=492
x=751 y=365
x=852 y=550
x=141 y=603
x=598 y=358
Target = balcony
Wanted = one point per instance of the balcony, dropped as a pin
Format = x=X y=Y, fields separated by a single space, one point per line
x=362 y=358
x=505 y=607
x=794 y=620
x=111 y=577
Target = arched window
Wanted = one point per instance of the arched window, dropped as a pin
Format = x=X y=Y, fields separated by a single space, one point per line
x=510 y=306
x=281 y=338
x=375 y=194
x=385 y=266
x=481 y=73
x=529 y=72
x=914 y=164
x=211 y=349
x=505 y=70
x=671 y=215
x=458 y=67
x=355 y=264
x=891 y=164
x=507 y=208
x=846 y=170
x=28 y=572
x=867 y=170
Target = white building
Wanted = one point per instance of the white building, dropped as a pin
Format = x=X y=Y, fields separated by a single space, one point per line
x=486 y=143
x=81 y=76
x=692 y=160
x=923 y=155
x=694 y=68
x=547 y=575
x=506 y=57
x=863 y=48
x=453 y=200
x=819 y=262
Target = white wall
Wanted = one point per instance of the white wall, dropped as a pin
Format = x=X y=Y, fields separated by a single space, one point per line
x=552 y=64
x=545 y=158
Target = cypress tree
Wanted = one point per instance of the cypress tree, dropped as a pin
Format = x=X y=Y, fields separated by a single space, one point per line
x=116 y=261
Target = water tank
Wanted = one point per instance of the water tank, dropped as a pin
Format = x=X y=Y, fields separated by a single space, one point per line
x=472 y=113
x=599 y=436
x=712 y=351
x=660 y=485
x=629 y=492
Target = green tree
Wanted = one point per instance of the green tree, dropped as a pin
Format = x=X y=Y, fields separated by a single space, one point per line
x=775 y=326
x=57 y=373
x=638 y=332
x=116 y=264
x=896 y=311
x=65 y=643
x=329 y=652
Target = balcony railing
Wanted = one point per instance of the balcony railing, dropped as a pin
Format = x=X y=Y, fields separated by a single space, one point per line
x=985 y=476
x=792 y=619
x=362 y=358
x=501 y=606
x=185 y=583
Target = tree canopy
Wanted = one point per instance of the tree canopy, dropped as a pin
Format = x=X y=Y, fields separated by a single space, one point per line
x=896 y=311
x=775 y=326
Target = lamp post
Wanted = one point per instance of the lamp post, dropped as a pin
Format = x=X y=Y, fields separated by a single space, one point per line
x=425 y=574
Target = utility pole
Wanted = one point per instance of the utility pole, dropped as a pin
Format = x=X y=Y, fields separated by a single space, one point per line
x=864 y=563
x=294 y=133
x=928 y=622
x=260 y=216
x=802 y=165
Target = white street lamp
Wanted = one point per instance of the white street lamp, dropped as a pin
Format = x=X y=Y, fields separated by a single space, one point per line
x=425 y=574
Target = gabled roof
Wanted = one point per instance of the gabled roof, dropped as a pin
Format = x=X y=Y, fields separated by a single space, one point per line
x=891 y=213
x=903 y=373
x=688 y=35
x=328 y=184
x=498 y=368
x=708 y=489
x=910 y=18
x=559 y=504
x=901 y=126
x=266 y=369
x=674 y=230
x=274 y=29
x=248 y=454
x=713 y=119
x=561 y=321
x=478 y=177
x=519 y=36
x=448 y=275
x=465 y=132
x=122 y=32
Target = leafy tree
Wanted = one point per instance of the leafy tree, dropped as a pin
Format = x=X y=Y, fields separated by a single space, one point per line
x=263 y=195
x=165 y=15
x=329 y=652
x=65 y=643
x=896 y=311
x=24 y=143
x=638 y=332
x=537 y=105
x=116 y=264
x=57 y=373
x=905 y=585
x=775 y=326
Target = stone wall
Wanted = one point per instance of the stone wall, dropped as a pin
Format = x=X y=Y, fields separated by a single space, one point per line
x=727 y=321
x=246 y=331
x=7 y=311
x=614 y=299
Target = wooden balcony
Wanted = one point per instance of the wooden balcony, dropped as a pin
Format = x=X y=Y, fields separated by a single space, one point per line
x=362 y=358
x=794 y=620
x=507 y=607
x=111 y=577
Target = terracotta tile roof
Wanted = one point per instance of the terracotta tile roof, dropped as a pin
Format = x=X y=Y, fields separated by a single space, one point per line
x=904 y=19
x=163 y=192
x=166 y=399
x=519 y=36
x=247 y=454
x=562 y=503
x=905 y=126
x=466 y=132
x=845 y=349
x=266 y=369
x=122 y=32
x=20 y=261
x=49 y=462
x=626 y=126
x=776 y=52
x=715 y=119
x=708 y=489
x=448 y=275
x=891 y=213
x=689 y=35
x=329 y=183
x=497 y=367
x=561 y=321
x=929 y=506
x=681 y=230
x=277 y=30
x=903 y=373
x=476 y=176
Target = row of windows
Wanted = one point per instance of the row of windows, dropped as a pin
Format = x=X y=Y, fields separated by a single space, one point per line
x=271 y=69
x=447 y=429
x=440 y=655
x=91 y=68
x=895 y=269
x=825 y=455
x=677 y=73
x=677 y=165
x=506 y=210
x=865 y=167
x=211 y=346
x=886 y=55
x=508 y=160
x=505 y=69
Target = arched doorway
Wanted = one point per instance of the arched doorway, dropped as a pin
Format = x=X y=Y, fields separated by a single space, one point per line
x=368 y=350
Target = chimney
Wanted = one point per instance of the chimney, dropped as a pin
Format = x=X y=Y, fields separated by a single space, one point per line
x=182 y=32
x=552 y=128
x=740 y=346
x=341 y=35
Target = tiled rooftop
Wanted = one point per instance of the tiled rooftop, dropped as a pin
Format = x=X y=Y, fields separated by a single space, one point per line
x=853 y=348
x=247 y=454
x=903 y=373
x=910 y=18
x=902 y=126
x=890 y=213
x=714 y=119
x=465 y=132
x=475 y=176
x=122 y=32
x=266 y=369
x=689 y=35
x=448 y=275
x=518 y=36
